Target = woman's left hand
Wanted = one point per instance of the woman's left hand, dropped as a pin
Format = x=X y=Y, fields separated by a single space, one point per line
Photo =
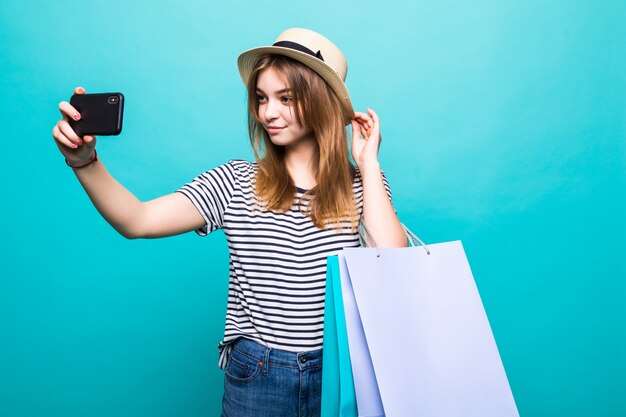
x=365 y=151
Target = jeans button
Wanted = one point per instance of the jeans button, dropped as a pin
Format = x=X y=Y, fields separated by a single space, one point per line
x=302 y=359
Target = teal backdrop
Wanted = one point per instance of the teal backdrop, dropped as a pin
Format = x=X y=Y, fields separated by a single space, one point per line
x=504 y=126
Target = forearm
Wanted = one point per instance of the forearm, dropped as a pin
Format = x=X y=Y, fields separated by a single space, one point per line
x=379 y=216
x=119 y=207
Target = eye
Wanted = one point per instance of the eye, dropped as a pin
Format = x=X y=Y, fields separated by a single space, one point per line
x=286 y=99
x=260 y=98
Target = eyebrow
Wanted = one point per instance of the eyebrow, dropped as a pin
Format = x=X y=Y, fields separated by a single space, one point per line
x=284 y=90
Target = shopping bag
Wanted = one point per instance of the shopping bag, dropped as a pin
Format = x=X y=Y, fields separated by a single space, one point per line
x=338 y=397
x=369 y=403
x=426 y=333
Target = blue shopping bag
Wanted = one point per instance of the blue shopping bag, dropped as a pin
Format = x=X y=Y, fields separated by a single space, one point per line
x=338 y=396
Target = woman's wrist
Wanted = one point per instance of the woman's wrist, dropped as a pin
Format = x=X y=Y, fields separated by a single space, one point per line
x=82 y=163
x=369 y=166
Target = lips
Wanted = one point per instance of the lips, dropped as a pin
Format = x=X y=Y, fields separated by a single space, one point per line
x=274 y=129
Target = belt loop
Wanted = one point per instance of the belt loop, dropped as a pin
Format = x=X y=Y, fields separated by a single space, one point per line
x=266 y=362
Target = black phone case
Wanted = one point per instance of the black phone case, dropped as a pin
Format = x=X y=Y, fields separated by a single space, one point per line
x=101 y=114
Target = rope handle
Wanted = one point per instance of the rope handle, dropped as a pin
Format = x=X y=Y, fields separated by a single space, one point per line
x=367 y=240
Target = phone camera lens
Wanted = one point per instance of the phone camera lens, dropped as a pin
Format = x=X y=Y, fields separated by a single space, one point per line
x=113 y=100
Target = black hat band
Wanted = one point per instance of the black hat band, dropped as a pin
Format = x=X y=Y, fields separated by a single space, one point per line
x=298 y=47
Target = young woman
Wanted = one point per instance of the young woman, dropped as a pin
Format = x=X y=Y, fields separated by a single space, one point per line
x=299 y=202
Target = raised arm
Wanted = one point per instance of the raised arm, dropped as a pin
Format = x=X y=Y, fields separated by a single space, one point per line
x=378 y=214
x=165 y=216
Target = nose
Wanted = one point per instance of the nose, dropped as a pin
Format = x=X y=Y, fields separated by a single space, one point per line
x=271 y=110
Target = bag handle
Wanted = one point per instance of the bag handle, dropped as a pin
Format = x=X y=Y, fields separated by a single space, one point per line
x=365 y=238
x=414 y=240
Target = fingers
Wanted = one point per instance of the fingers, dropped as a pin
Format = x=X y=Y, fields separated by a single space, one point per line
x=369 y=123
x=67 y=110
x=61 y=138
x=67 y=131
x=90 y=141
x=365 y=119
x=371 y=117
x=376 y=127
x=64 y=135
x=364 y=130
x=374 y=116
x=356 y=130
x=63 y=132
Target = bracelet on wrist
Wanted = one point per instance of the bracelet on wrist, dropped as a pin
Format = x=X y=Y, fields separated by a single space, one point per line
x=94 y=159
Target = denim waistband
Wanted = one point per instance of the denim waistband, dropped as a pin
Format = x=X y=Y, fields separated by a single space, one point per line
x=278 y=357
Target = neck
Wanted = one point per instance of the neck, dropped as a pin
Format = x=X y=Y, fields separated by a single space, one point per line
x=299 y=163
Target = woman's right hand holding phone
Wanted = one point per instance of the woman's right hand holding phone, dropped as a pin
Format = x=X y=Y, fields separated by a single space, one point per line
x=169 y=215
x=77 y=150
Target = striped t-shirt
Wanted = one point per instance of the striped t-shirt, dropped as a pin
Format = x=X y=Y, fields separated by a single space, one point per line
x=277 y=260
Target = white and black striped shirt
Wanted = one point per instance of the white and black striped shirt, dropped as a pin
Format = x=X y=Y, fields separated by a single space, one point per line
x=277 y=260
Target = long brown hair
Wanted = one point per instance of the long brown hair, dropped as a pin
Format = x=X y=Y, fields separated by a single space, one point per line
x=317 y=108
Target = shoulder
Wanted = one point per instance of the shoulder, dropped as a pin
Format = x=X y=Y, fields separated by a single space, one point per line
x=241 y=168
x=230 y=175
x=243 y=173
x=234 y=169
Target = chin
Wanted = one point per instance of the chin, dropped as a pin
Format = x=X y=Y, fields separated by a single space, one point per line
x=287 y=140
x=281 y=142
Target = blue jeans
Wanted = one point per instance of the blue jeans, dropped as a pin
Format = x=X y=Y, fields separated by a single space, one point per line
x=261 y=382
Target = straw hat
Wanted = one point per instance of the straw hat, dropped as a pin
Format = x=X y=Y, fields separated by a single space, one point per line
x=311 y=49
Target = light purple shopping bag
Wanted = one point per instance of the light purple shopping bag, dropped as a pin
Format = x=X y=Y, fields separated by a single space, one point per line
x=426 y=331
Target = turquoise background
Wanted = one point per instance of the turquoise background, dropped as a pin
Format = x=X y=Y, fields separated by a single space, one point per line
x=504 y=126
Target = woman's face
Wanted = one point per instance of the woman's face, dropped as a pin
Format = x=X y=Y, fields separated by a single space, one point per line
x=277 y=109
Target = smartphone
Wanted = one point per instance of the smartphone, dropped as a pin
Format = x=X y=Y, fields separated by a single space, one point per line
x=100 y=114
